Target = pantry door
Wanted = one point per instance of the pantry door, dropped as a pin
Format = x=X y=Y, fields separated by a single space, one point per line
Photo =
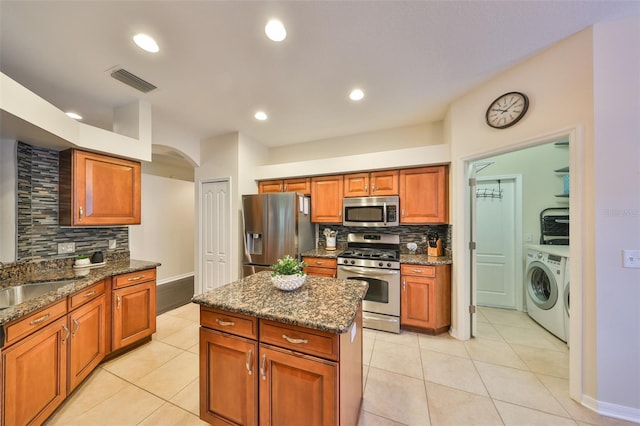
x=215 y=226
x=498 y=220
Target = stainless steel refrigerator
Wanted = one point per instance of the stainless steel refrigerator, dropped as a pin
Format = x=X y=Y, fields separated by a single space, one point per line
x=275 y=225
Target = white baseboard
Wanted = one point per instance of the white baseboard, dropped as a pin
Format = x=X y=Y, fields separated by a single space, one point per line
x=612 y=410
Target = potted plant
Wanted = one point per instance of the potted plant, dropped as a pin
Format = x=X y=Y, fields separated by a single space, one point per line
x=82 y=260
x=288 y=273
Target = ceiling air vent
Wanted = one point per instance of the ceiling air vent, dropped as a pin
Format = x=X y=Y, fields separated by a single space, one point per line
x=132 y=80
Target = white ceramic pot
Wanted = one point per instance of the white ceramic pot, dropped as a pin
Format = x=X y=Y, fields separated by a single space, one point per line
x=288 y=282
x=331 y=242
x=83 y=262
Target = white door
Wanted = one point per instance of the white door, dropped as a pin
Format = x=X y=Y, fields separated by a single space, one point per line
x=496 y=217
x=215 y=234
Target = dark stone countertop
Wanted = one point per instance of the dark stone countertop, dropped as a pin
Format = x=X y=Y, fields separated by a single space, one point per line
x=325 y=304
x=82 y=278
x=322 y=252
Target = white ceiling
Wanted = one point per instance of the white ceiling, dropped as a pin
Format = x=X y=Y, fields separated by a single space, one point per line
x=216 y=68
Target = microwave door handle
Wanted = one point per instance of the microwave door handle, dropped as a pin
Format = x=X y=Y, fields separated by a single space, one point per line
x=367 y=271
x=384 y=213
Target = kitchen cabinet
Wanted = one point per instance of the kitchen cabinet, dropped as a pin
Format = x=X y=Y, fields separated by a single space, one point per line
x=256 y=371
x=321 y=266
x=424 y=195
x=98 y=190
x=88 y=340
x=384 y=182
x=326 y=199
x=133 y=301
x=35 y=369
x=302 y=185
x=425 y=301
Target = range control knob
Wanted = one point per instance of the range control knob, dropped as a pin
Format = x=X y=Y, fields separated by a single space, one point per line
x=353 y=262
x=389 y=265
x=380 y=264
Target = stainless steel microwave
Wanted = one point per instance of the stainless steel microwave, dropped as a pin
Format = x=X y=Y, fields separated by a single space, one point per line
x=370 y=211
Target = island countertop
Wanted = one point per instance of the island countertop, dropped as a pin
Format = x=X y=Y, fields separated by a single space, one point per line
x=325 y=304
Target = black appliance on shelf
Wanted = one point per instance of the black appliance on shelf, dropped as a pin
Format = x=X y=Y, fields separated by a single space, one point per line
x=554 y=226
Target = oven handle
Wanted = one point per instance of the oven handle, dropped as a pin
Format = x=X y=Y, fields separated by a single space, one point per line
x=368 y=271
x=384 y=212
x=367 y=317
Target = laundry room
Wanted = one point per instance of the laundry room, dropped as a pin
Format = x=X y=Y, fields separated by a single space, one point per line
x=522 y=246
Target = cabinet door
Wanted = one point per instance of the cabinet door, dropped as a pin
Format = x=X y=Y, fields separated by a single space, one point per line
x=35 y=375
x=356 y=185
x=134 y=313
x=384 y=182
x=326 y=199
x=88 y=339
x=417 y=302
x=228 y=379
x=297 y=389
x=302 y=185
x=423 y=195
x=104 y=191
x=268 y=186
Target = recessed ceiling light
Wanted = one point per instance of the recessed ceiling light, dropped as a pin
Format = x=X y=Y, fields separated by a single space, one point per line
x=275 y=30
x=74 y=115
x=356 y=95
x=146 y=42
x=260 y=115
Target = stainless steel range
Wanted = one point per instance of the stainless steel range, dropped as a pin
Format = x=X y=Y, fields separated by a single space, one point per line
x=375 y=258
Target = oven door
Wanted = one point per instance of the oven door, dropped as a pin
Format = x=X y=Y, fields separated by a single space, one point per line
x=383 y=295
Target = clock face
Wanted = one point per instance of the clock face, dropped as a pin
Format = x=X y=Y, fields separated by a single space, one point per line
x=507 y=110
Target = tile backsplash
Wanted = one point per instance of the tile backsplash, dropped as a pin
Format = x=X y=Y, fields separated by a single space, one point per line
x=38 y=230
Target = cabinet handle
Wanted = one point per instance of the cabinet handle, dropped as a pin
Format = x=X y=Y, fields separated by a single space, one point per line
x=118 y=299
x=292 y=340
x=248 y=362
x=402 y=212
x=138 y=278
x=285 y=187
x=91 y=293
x=404 y=285
x=373 y=188
x=77 y=324
x=225 y=323
x=319 y=262
x=66 y=330
x=81 y=213
x=39 y=320
x=366 y=187
x=263 y=367
x=418 y=271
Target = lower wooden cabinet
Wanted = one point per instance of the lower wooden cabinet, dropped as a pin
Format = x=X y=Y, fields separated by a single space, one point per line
x=228 y=379
x=88 y=340
x=35 y=375
x=321 y=266
x=134 y=313
x=425 y=300
x=297 y=390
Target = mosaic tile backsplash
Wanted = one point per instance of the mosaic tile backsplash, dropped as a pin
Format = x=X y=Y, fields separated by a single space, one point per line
x=38 y=230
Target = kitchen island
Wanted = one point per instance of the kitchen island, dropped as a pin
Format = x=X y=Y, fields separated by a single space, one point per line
x=274 y=357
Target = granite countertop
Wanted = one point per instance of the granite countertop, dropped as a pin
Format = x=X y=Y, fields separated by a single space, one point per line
x=81 y=278
x=322 y=252
x=325 y=304
x=410 y=259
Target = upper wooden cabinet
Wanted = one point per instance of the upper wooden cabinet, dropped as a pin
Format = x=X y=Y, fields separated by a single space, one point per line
x=97 y=190
x=371 y=183
x=424 y=195
x=326 y=199
x=302 y=185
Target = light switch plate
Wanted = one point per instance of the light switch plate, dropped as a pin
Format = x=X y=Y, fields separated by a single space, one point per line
x=112 y=244
x=630 y=258
x=66 y=248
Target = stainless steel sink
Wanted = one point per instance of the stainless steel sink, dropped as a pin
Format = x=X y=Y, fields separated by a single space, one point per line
x=12 y=296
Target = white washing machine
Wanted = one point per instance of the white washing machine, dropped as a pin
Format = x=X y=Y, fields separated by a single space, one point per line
x=544 y=287
x=565 y=299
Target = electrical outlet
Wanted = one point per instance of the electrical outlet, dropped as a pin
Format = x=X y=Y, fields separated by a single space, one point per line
x=631 y=258
x=112 y=244
x=66 y=248
x=528 y=238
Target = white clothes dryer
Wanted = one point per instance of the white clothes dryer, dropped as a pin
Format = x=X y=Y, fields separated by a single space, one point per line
x=565 y=299
x=544 y=288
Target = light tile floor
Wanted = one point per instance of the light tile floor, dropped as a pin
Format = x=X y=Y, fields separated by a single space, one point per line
x=512 y=373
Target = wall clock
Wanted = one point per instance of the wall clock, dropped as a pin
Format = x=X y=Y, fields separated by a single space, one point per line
x=507 y=110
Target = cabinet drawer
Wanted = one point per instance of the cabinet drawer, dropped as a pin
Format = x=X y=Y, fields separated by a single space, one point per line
x=425 y=271
x=35 y=321
x=134 y=278
x=299 y=339
x=86 y=295
x=229 y=322
x=322 y=262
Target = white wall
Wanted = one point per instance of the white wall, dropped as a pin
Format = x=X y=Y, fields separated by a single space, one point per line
x=8 y=194
x=616 y=73
x=167 y=230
